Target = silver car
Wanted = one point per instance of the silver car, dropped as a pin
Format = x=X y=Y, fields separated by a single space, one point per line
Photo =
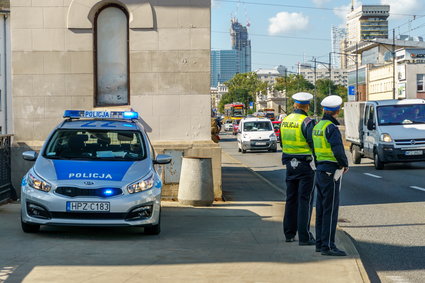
x=95 y=169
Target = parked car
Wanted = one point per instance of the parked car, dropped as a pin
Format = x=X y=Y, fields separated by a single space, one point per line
x=228 y=125
x=96 y=168
x=236 y=126
x=256 y=134
x=276 y=127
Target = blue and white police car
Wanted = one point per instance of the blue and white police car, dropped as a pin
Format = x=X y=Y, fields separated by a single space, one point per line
x=96 y=168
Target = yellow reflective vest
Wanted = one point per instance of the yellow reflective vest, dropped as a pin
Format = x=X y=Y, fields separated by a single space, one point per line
x=322 y=148
x=293 y=140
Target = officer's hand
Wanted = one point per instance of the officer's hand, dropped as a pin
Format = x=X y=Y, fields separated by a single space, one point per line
x=345 y=169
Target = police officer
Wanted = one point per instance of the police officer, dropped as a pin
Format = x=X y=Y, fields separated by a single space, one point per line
x=331 y=163
x=297 y=144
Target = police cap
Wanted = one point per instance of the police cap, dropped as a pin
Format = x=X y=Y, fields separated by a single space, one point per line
x=332 y=103
x=302 y=97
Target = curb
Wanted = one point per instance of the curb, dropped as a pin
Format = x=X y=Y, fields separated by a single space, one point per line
x=347 y=242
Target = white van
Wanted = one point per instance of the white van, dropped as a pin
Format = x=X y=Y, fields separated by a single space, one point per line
x=256 y=134
x=386 y=131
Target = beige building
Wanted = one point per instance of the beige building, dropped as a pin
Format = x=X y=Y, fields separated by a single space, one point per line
x=5 y=76
x=217 y=93
x=380 y=82
x=151 y=56
x=339 y=76
x=270 y=75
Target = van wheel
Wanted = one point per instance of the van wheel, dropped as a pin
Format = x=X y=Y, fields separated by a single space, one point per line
x=379 y=165
x=356 y=155
x=243 y=150
x=239 y=149
x=30 y=228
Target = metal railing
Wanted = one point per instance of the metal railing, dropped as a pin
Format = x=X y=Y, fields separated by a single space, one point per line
x=6 y=189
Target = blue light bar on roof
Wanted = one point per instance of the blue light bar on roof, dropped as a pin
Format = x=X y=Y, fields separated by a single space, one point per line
x=76 y=114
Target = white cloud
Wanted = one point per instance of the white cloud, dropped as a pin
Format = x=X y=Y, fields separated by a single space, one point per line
x=320 y=3
x=285 y=22
x=342 y=11
x=398 y=7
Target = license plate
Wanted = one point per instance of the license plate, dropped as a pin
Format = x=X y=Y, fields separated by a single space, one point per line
x=260 y=143
x=88 y=206
x=414 y=152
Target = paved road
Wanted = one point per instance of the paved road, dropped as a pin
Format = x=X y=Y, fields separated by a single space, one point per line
x=384 y=211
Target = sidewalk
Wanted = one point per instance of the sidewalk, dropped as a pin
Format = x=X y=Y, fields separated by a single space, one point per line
x=240 y=240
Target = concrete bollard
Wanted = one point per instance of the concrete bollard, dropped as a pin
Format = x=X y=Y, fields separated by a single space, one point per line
x=196 y=182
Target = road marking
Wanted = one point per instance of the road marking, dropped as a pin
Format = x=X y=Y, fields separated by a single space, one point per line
x=372 y=175
x=398 y=279
x=417 y=188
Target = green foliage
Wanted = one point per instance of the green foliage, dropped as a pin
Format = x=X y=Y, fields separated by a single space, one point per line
x=242 y=88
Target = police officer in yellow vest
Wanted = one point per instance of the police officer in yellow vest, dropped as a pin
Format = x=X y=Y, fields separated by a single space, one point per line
x=331 y=164
x=297 y=144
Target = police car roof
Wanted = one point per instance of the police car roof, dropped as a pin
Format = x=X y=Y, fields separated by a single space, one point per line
x=97 y=124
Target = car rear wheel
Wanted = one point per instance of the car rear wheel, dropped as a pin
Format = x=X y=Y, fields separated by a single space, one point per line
x=356 y=155
x=29 y=227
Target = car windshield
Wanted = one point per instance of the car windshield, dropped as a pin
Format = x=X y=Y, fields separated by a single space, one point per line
x=257 y=126
x=96 y=145
x=401 y=114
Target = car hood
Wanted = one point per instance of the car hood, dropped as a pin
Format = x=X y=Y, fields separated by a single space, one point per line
x=77 y=171
x=400 y=132
x=261 y=135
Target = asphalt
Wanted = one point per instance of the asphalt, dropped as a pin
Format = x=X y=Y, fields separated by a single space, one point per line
x=238 y=240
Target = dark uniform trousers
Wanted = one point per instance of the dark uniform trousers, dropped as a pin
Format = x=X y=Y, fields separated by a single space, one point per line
x=299 y=200
x=327 y=204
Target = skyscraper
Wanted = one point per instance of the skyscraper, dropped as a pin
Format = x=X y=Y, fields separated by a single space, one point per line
x=227 y=63
x=367 y=22
x=241 y=42
x=338 y=35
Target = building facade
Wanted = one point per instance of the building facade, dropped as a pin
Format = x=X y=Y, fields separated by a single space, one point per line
x=411 y=73
x=216 y=95
x=242 y=43
x=338 y=76
x=270 y=75
x=150 y=56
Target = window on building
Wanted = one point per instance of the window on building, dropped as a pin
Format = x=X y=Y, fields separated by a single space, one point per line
x=420 y=82
x=111 y=55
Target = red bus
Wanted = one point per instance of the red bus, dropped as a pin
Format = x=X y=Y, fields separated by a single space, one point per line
x=234 y=110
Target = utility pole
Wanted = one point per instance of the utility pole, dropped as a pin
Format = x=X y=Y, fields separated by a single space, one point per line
x=315 y=91
x=393 y=63
x=330 y=72
x=357 y=72
x=286 y=91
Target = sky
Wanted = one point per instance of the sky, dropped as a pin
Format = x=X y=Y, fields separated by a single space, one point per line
x=282 y=34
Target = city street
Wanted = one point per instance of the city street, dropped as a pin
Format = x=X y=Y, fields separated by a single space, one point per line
x=381 y=210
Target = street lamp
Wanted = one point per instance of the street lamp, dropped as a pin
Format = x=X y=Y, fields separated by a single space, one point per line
x=356 y=61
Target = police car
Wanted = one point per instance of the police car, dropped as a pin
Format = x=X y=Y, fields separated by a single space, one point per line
x=96 y=168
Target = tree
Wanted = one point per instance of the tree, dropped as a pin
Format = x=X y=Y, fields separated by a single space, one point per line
x=243 y=88
x=292 y=84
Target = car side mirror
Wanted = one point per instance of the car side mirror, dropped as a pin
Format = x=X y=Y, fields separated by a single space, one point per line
x=162 y=159
x=370 y=125
x=29 y=155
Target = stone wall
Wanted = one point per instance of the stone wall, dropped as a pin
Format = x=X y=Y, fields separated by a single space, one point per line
x=169 y=57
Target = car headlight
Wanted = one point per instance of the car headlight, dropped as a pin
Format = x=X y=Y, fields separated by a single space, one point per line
x=386 y=138
x=142 y=185
x=273 y=137
x=37 y=183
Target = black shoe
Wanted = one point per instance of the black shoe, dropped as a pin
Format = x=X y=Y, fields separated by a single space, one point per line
x=290 y=240
x=318 y=250
x=310 y=242
x=334 y=252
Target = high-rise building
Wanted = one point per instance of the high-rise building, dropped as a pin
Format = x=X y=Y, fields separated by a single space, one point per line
x=226 y=63
x=241 y=42
x=338 y=35
x=367 y=22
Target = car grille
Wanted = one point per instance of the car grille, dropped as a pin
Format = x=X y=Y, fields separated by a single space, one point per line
x=89 y=215
x=80 y=192
x=410 y=142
